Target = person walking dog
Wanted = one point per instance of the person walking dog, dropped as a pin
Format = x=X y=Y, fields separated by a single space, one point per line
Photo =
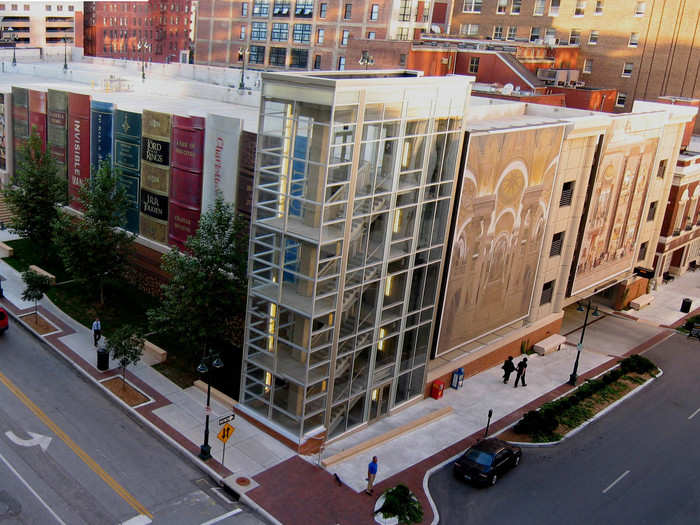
x=371 y=474
x=96 y=330
x=522 y=366
x=508 y=368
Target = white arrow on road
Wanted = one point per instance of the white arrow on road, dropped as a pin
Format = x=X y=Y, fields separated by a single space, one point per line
x=36 y=439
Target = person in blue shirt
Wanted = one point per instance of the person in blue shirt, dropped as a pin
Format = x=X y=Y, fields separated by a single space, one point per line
x=371 y=474
x=96 y=330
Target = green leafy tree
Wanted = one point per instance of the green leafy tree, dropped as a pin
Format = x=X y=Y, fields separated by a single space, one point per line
x=208 y=286
x=126 y=346
x=35 y=195
x=94 y=248
x=36 y=286
x=399 y=502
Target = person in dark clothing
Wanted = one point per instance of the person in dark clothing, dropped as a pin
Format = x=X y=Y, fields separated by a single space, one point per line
x=508 y=368
x=522 y=366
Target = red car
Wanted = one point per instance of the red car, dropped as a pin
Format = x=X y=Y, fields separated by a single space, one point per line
x=3 y=320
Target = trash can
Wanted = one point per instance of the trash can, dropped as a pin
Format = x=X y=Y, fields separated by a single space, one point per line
x=437 y=389
x=457 y=379
x=102 y=359
x=686 y=304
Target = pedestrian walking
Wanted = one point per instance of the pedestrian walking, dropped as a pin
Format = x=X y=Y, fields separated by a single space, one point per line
x=508 y=368
x=522 y=366
x=96 y=330
x=371 y=474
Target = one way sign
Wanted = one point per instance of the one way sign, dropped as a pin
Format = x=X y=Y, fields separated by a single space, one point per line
x=225 y=433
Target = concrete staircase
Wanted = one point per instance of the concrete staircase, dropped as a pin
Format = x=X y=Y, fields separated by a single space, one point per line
x=5 y=214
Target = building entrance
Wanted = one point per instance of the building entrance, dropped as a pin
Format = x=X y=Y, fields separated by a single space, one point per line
x=379 y=404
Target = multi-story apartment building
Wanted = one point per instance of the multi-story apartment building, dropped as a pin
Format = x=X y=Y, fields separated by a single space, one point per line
x=304 y=34
x=402 y=229
x=47 y=26
x=641 y=48
x=147 y=30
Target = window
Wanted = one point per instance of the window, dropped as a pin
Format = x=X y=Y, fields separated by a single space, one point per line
x=402 y=33
x=259 y=31
x=547 y=291
x=341 y=63
x=322 y=10
x=471 y=6
x=261 y=8
x=567 y=192
x=634 y=40
x=469 y=29
x=539 y=8
x=347 y=14
x=535 y=34
x=317 y=62
x=550 y=33
x=498 y=32
x=371 y=35
x=627 y=69
x=474 y=65
x=621 y=100
x=588 y=65
x=662 y=169
x=642 y=251
x=554 y=8
x=405 y=11
x=515 y=8
x=652 y=211
x=599 y=7
x=344 y=39
x=557 y=241
x=278 y=56
x=593 y=37
x=48 y=7
x=512 y=32
x=58 y=7
x=299 y=58
x=244 y=8
x=281 y=8
x=26 y=7
x=575 y=37
x=280 y=32
x=304 y=9
x=374 y=12
x=640 y=9
x=256 y=55
x=320 y=36
x=501 y=7
x=402 y=60
x=302 y=33
x=580 y=7
x=71 y=8
x=243 y=32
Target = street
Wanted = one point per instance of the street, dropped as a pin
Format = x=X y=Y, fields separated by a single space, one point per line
x=635 y=465
x=68 y=454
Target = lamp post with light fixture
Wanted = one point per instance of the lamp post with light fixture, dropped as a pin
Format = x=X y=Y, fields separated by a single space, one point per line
x=209 y=359
x=366 y=60
x=579 y=308
x=65 y=54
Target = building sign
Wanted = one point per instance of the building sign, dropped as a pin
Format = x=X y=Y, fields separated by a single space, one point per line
x=154 y=205
x=155 y=175
x=499 y=229
x=156 y=151
x=614 y=212
x=221 y=159
x=56 y=134
x=101 y=127
x=78 y=144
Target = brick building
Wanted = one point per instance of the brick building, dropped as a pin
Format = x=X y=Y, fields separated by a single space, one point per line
x=148 y=30
x=642 y=49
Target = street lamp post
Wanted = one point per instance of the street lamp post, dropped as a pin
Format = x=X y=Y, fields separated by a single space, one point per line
x=574 y=375
x=242 y=55
x=65 y=54
x=14 y=45
x=215 y=361
x=366 y=59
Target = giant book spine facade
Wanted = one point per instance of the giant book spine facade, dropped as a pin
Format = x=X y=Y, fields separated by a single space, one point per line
x=155 y=175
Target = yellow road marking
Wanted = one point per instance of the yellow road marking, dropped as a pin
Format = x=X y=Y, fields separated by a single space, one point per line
x=74 y=447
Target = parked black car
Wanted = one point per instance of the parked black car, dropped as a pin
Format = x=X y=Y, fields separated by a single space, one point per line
x=483 y=463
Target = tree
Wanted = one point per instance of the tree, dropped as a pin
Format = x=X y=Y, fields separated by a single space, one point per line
x=94 y=247
x=126 y=346
x=36 y=286
x=35 y=195
x=399 y=502
x=209 y=281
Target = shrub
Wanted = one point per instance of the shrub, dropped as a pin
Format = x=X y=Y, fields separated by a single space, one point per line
x=536 y=422
x=637 y=363
x=401 y=503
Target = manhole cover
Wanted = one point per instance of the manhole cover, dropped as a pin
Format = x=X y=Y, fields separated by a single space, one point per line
x=9 y=506
x=243 y=482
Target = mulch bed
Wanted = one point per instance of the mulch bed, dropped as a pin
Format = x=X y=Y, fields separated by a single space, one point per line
x=38 y=323
x=125 y=391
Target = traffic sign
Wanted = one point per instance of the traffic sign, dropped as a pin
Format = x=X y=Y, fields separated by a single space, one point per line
x=225 y=433
x=225 y=419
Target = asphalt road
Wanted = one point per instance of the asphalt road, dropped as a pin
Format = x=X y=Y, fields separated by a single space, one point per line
x=636 y=465
x=88 y=461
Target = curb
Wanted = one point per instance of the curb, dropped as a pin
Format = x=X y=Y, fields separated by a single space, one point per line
x=182 y=451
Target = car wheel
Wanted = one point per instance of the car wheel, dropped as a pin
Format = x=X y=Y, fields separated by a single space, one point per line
x=493 y=480
x=517 y=461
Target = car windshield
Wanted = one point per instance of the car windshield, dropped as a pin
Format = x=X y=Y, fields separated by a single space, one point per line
x=482 y=458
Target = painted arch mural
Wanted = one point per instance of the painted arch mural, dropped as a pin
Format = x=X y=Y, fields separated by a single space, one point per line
x=500 y=221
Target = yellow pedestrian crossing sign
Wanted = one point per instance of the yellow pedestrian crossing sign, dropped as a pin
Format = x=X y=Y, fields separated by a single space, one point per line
x=225 y=433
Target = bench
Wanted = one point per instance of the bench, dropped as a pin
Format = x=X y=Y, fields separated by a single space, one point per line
x=641 y=301
x=153 y=354
x=38 y=270
x=6 y=251
x=549 y=344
